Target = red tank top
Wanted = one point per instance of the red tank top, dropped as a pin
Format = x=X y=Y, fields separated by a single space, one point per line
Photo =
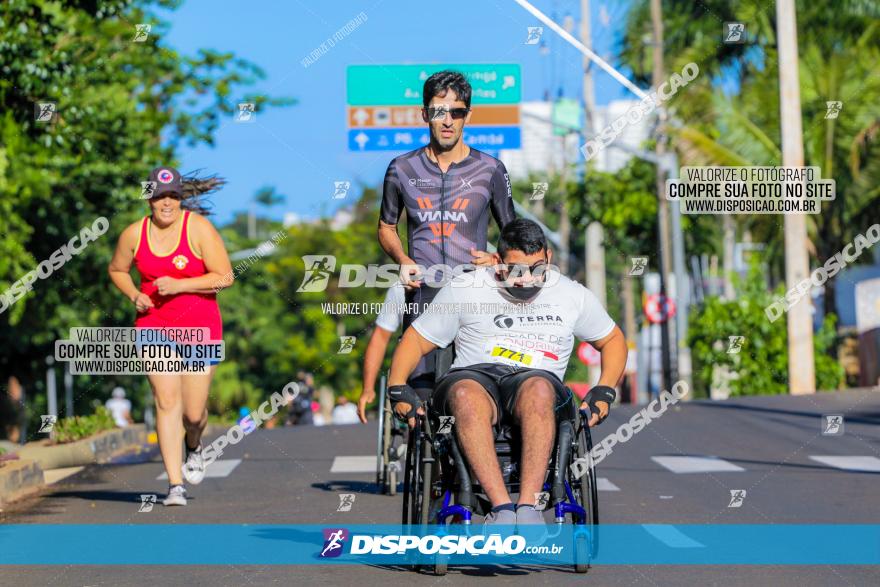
x=180 y=310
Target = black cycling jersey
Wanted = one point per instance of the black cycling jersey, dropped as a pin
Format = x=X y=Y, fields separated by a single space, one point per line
x=446 y=212
x=446 y=215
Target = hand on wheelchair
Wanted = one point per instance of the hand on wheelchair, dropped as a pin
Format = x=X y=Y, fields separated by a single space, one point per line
x=598 y=401
x=403 y=398
x=367 y=397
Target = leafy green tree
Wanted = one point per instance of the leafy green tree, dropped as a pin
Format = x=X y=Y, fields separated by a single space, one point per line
x=267 y=196
x=122 y=107
x=736 y=122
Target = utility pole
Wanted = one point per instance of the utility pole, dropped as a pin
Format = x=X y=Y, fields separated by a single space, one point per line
x=595 y=269
x=252 y=223
x=595 y=238
x=68 y=391
x=729 y=244
x=595 y=255
x=589 y=95
x=665 y=256
x=564 y=221
x=801 y=368
x=51 y=389
x=682 y=283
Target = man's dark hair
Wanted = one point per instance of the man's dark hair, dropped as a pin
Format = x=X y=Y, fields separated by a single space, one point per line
x=523 y=235
x=443 y=81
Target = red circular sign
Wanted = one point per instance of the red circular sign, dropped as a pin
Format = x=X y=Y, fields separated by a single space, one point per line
x=588 y=354
x=658 y=308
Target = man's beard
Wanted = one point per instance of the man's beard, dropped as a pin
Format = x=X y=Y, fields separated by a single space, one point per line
x=445 y=144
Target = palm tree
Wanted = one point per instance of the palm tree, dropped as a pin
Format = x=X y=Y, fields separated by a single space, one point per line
x=266 y=197
x=736 y=122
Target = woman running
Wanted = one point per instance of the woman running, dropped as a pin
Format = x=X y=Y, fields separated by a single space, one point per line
x=182 y=263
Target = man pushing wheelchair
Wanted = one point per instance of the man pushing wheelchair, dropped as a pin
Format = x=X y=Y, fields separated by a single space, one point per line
x=513 y=326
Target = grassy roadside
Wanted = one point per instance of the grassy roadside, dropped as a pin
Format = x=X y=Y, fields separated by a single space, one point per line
x=79 y=427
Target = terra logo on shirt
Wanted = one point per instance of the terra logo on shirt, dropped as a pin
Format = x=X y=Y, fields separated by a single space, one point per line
x=503 y=321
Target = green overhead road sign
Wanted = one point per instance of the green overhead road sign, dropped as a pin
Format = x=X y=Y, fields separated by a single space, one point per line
x=399 y=85
x=566 y=116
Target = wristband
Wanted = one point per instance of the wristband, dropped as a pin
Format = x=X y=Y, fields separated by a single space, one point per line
x=404 y=394
x=601 y=393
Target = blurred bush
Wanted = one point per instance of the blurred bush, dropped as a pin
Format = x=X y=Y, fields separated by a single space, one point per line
x=79 y=427
x=761 y=365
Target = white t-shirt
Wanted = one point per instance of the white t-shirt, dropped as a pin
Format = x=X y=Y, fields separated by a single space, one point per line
x=346 y=414
x=118 y=407
x=391 y=315
x=489 y=326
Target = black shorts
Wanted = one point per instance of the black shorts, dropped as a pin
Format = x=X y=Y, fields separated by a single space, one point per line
x=503 y=383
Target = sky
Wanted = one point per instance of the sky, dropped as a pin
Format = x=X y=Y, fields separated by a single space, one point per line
x=303 y=149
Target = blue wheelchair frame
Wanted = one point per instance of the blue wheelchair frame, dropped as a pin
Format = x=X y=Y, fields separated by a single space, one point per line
x=426 y=490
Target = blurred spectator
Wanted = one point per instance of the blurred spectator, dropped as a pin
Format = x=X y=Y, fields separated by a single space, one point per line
x=300 y=409
x=317 y=417
x=119 y=408
x=345 y=412
x=10 y=411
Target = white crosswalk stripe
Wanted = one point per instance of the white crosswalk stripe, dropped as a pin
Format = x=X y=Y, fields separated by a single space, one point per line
x=850 y=463
x=220 y=468
x=362 y=464
x=603 y=484
x=701 y=464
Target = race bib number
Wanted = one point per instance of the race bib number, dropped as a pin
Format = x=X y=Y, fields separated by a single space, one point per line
x=513 y=357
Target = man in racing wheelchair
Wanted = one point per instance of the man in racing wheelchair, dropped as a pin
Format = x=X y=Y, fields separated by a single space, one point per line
x=513 y=326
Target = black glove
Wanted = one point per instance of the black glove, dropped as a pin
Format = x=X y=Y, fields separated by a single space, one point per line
x=404 y=394
x=601 y=393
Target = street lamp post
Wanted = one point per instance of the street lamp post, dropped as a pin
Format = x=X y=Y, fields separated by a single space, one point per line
x=51 y=389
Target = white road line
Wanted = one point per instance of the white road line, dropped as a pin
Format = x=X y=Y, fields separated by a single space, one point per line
x=671 y=536
x=603 y=484
x=366 y=464
x=852 y=463
x=705 y=464
x=221 y=468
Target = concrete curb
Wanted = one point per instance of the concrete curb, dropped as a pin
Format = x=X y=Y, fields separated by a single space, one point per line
x=95 y=449
x=22 y=476
x=19 y=478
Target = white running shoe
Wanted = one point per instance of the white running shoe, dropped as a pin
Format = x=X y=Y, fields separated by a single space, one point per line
x=505 y=517
x=530 y=524
x=194 y=467
x=176 y=495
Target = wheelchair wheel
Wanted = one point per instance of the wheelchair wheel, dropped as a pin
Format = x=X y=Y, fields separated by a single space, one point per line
x=408 y=475
x=422 y=475
x=392 y=479
x=420 y=505
x=382 y=438
x=588 y=483
x=586 y=544
x=581 y=554
x=389 y=464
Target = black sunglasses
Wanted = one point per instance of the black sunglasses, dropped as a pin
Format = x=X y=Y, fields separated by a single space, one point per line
x=516 y=270
x=439 y=113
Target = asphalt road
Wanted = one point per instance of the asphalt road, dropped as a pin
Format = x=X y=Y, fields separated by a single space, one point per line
x=763 y=445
